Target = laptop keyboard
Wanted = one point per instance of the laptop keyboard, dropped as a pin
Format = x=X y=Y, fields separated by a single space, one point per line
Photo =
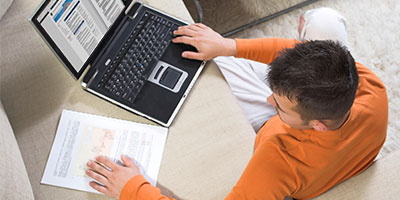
x=128 y=71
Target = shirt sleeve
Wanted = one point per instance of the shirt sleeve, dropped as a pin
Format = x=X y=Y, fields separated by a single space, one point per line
x=139 y=188
x=267 y=176
x=369 y=82
x=263 y=50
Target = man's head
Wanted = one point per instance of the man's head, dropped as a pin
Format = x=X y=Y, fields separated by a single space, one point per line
x=313 y=83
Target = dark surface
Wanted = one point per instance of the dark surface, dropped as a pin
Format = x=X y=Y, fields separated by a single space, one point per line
x=152 y=100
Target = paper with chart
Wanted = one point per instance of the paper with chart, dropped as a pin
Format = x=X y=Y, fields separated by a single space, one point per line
x=81 y=137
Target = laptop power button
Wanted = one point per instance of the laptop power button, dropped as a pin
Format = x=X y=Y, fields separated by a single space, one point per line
x=107 y=62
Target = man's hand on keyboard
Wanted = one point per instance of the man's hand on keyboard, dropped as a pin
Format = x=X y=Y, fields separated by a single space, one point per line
x=208 y=43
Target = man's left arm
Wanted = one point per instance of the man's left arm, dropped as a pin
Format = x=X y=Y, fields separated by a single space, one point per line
x=121 y=182
x=267 y=176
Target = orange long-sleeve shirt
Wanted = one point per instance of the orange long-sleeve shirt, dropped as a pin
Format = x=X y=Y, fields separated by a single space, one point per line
x=301 y=163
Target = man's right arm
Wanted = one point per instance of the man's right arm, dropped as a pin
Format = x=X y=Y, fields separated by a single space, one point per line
x=211 y=44
x=263 y=50
x=208 y=43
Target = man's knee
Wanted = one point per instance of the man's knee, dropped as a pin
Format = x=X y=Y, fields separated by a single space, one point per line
x=323 y=24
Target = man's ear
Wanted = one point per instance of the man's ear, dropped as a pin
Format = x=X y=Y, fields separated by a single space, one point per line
x=271 y=100
x=319 y=126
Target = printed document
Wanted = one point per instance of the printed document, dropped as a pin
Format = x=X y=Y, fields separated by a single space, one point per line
x=81 y=137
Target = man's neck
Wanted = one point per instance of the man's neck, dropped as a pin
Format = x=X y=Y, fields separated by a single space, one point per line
x=336 y=124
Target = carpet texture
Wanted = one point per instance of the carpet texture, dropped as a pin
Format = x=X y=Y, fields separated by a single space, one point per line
x=374 y=35
x=235 y=13
x=5 y=4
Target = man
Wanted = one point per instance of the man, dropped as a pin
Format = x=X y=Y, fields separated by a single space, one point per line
x=331 y=117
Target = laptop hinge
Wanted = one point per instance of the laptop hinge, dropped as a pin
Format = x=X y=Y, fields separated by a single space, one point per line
x=132 y=9
x=92 y=78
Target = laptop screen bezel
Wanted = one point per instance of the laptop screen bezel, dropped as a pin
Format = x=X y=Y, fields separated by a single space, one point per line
x=56 y=50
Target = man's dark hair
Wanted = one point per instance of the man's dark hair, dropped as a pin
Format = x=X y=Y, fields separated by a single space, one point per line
x=320 y=76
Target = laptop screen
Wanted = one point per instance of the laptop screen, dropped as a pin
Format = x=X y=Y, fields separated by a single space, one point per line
x=74 y=28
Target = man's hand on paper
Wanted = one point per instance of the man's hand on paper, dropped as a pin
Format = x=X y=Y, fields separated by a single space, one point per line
x=113 y=181
x=208 y=43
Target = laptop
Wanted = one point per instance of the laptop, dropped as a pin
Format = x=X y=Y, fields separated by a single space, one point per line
x=127 y=49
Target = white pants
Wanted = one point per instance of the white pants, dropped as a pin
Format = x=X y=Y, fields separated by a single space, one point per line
x=247 y=78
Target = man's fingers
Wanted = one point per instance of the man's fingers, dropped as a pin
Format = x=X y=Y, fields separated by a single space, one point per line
x=98 y=168
x=193 y=55
x=96 y=176
x=201 y=26
x=191 y=30
x=185 y=40
x=185 y=31
x=98 y=187
x=194 y=27
x=127 y=161
x=106 y=161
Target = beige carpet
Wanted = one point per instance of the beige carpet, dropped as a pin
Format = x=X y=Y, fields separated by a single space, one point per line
x=234 y=13
x=374 y=36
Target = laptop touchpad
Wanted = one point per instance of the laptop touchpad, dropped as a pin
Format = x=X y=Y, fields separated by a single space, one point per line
x=168 y=76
